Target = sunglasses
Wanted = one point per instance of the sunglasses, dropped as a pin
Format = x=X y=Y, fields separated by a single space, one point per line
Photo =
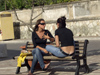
x=42 y=23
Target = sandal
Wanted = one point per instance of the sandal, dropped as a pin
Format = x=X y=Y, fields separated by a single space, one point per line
x=46 y=68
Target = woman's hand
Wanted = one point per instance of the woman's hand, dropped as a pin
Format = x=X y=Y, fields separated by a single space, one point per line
x=46 y=36
x=45 y=51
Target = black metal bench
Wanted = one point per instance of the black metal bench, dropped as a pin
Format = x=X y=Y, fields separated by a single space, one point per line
x=80 y=54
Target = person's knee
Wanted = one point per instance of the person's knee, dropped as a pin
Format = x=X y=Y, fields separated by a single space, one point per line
x=37 y=50
x=48 y=47
x=35 y=57
x=34 y=51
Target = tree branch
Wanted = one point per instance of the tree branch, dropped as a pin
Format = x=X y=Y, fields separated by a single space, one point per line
x=31 y=14
x=30 y=27
x=17 y=17
x=32 y=11
x=39 y=14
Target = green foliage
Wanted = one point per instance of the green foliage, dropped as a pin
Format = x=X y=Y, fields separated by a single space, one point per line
x=19 y=4
x=28 y=3
x=25 y=4
x=2 y=6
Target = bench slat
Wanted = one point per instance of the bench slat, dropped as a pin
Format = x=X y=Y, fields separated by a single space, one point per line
x=31 y=46
x=76 y=42
x=79 y=49
x=33 y=49
x=29 y=49
x=52 y=58
x=76 y=50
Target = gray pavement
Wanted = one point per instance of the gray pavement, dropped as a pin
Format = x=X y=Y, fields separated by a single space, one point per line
x=8 y=65
x=25 y=40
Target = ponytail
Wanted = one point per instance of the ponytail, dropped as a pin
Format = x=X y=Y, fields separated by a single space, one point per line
x=62 y=22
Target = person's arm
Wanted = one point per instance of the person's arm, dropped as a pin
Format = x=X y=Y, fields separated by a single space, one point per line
x=49 y=36
x=43 y=49
x=57 y=38
x=57 y=41
x=33 y=39
x=51 y=39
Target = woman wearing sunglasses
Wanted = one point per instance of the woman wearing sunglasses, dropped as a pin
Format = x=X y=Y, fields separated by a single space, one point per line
x=39 y=39
x=65 y=36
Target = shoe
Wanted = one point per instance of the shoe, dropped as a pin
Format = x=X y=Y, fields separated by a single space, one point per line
x=18 y=70
x=30 y=74
x=44 y=69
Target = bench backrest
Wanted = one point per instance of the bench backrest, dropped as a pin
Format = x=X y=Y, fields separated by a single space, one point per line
x=80 y=48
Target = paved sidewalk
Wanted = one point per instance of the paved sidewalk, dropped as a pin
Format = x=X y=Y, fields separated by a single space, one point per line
x=25 y=40
x=56 y=68
x=8 y=65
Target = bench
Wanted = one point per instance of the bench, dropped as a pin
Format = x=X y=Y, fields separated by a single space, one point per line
x=80 y=54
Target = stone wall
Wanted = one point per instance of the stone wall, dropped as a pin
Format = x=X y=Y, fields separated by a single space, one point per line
x=85 y=28
x=83 y=18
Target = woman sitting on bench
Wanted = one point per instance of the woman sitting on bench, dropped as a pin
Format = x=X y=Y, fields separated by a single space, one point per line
x=39 y=38
x=65 y=36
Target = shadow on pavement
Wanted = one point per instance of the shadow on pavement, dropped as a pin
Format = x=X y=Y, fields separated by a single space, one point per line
x=64 y=66
x=93 y=52
x=10 y=54
x=94 y=66
x=93 y=57
x=13 y=49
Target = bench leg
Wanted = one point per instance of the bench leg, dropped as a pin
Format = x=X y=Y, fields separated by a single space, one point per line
x=78 y=67
x=87 y=70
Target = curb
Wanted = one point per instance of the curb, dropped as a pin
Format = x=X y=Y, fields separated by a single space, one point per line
x=16 y=41
x=88 y=38
x=25 y=40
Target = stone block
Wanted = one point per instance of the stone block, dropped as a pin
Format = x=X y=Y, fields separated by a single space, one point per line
x=3 y=50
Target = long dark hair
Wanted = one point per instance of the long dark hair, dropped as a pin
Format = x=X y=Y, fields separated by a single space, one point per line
x=62 y=22
x=37 y=23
